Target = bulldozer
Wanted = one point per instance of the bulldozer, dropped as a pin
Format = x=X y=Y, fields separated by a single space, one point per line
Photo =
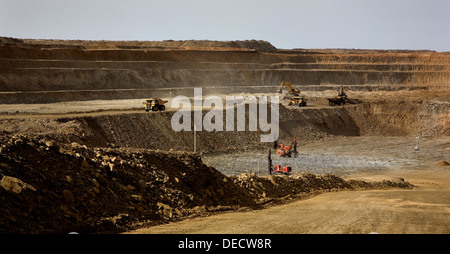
x=295 y=99
x=154 y=104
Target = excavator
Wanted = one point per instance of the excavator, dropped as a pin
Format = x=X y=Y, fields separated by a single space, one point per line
x=293 y=91
x=296 y=99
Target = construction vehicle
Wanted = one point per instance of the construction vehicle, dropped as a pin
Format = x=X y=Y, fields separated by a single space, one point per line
x=154 y=104
x=293 y=91
x=339 y=100
x=342 y=99
x=282 y=170
x=277 y=169
x=288 y=151
x=295 y=99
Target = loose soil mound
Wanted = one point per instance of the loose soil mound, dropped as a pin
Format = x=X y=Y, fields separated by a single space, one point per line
x=167 y=44
x=49 y=188
x=268 y=188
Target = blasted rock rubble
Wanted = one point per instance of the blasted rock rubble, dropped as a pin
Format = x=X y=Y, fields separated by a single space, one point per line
x=48 y=187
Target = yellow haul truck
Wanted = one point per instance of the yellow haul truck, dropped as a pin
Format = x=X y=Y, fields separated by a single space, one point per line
x=154 y=104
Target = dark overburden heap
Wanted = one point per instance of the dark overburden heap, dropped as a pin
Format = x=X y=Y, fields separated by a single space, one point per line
x=58 y=188
x=50 y=188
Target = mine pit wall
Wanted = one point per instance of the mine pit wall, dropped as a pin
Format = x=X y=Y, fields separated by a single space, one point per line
x=45 y=72
x=36 y=71
x=403 y=117
x=154 y=131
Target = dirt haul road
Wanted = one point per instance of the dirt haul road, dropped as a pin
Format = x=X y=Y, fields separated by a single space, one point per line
x=423 y=210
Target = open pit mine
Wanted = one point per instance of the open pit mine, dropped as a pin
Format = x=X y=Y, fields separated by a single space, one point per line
x=88 y=143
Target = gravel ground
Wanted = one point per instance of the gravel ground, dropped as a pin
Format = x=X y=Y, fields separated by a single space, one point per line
x=342 y=157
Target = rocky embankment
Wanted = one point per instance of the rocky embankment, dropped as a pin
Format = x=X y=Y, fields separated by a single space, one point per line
x=45 y=71
x=59 y=188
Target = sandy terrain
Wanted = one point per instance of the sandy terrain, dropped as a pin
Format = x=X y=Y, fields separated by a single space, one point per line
x=425 y=210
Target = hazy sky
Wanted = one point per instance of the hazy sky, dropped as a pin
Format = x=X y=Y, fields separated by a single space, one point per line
x=376 y=24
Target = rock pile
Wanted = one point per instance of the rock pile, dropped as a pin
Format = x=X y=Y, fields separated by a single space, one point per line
x=269 y=188
x=47 y=187
x=63 y=188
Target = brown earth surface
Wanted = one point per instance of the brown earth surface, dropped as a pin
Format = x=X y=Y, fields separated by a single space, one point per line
x=424 y=209
x=79 y=154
